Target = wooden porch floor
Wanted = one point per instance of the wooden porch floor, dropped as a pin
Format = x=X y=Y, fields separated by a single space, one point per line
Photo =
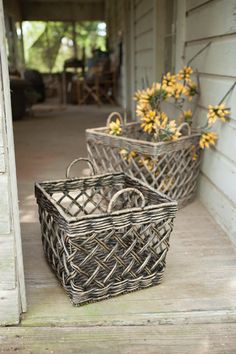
x=192 y=311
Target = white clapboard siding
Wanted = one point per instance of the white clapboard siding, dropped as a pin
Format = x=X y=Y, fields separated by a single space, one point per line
x=216 y=21
x=221 y=208
x=144 y=24
x=221 y=171
x=218 y=58
x=142 y=8
x=197 y=22
x=214 y=89
x=191 y=4
x=226 y=132
x=143 y=43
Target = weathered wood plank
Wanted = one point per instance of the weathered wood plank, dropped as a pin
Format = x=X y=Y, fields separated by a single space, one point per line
x=226 y=143
x=2 y=160
x=144 y=24
x=12 y=209
x=218 y=58
x=46 y=11
x=9 y=308
x=217 y=167
x=5 y=221
x=187 y=339
x=213 y=89
x=219 y=206
x=142 y=9
x=144 y=42
x=190 y=4
x=211 y=20
x=7 y=262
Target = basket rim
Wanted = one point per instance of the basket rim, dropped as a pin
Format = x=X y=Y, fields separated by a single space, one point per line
x=100 y=131
x=72 y=219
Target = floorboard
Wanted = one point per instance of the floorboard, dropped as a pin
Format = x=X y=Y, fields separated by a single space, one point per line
x=195 y=305
x=194 y=339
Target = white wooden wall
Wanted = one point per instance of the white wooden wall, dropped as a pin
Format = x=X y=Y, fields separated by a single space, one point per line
x=143 y=32
x=12 y=292
x=215 y=21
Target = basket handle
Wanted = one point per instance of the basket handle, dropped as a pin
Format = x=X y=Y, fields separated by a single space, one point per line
x=185 y=124
x=111 y=115
x=117 y=194
x=91 y=165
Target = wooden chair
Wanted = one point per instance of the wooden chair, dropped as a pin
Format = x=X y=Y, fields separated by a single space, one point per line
x=100 y=88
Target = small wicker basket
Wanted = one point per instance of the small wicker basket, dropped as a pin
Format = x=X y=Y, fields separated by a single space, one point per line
x=104 y=235
x=169 y=167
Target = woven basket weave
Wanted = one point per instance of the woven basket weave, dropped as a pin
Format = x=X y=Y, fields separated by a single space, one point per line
x=104 y=235
x=168 y=167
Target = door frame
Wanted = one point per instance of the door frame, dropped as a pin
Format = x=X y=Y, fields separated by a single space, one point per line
x=12 y=282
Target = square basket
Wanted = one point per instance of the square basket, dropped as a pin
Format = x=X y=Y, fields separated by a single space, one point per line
x=169 y=167
x=104 y=235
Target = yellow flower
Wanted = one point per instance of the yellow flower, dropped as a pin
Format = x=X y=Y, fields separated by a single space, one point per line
x=131 y=155
x=138 y=94
x=172 y=128
x=126 y=155
x=141 y=110
x=207 y=139
x=195 y=156
x=148 y=162
x=148 y=120
x=191 y=90
x=123 y=154
x=188 y=115
x=166 y=183
x=218 y=111
x=157 y=86
x=115 y=128
x=178 y=90
x=168 y=80
x=185 y=73
x=161 y=121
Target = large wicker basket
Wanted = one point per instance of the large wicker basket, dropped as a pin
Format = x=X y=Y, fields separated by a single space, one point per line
x=104 y=235
x=169 y=167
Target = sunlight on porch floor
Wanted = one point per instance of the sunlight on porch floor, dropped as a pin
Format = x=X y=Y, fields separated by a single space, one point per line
x=192 y=311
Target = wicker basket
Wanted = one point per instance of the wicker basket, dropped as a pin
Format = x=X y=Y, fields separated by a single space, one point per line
x=169 y=167
x=104 y=235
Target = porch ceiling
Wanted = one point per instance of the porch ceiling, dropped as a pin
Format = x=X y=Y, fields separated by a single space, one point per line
x=62 y=10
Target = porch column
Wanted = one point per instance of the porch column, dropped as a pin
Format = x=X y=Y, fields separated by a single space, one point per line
x=12 y=287
x=22 y=48
x=74 y=39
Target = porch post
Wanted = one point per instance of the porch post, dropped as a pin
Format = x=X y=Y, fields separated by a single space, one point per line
x=22 y=47
x=12 y=286
x=74 y=39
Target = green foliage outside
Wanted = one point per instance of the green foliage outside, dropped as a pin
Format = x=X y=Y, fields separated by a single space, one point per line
x=48 y=44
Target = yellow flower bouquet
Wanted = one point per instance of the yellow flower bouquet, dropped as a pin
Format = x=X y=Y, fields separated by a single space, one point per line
x=161 y=148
